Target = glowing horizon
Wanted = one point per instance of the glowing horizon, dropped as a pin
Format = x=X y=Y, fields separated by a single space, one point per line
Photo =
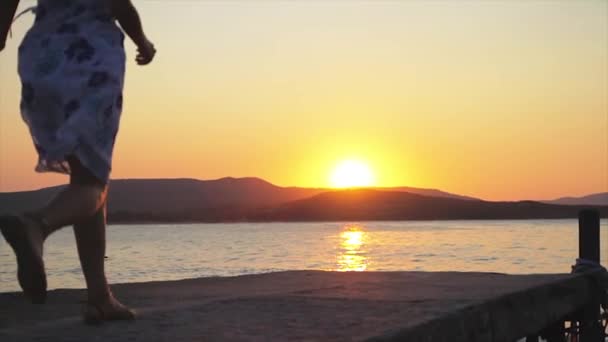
x=495 y=100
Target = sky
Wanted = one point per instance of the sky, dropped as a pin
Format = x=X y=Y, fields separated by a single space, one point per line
x=502 y=100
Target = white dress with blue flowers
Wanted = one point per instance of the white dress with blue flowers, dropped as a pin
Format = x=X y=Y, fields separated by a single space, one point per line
x=72 y=65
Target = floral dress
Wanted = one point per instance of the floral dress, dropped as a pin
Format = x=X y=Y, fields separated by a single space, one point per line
x=72 y=65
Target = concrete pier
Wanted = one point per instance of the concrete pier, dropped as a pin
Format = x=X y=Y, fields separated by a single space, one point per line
x=312 y=306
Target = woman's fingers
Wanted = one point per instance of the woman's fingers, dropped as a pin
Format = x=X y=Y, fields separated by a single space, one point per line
x=146 y=55
x=139 y=59
x=143 y=59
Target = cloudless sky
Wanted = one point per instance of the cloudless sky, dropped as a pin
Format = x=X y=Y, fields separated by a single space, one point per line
x=495 y=99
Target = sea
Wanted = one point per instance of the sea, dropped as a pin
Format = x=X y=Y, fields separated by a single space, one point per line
x=152 y=252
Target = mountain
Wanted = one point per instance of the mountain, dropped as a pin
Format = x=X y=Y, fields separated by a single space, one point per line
x=391 y=205
x=173 y=196
x=253 y=199
x=428 y=192
x=595 y=199
x=188 y=194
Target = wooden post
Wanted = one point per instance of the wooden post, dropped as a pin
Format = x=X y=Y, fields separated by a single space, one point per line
x=589 y=249
x=589 y=235
x=555 y=332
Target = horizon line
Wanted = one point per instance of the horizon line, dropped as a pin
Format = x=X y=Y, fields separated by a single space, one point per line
x=316 y=188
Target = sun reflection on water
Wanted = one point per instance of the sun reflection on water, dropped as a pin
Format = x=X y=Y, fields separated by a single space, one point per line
x=352 y=255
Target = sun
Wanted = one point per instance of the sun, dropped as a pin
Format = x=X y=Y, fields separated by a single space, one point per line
x=350 y=174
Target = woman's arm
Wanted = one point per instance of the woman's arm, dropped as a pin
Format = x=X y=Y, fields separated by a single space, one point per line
x=129 y=20
x=7 y=13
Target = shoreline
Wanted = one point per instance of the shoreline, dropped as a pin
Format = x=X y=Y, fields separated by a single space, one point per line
x=127 y=223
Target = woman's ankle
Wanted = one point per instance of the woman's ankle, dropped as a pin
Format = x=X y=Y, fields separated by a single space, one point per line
x=99 y=295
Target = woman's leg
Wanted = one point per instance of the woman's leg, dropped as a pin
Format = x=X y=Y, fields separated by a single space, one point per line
x=83 y=197
x=79 y=201
x=91 y=241
x=26 y=239
x=90 y=233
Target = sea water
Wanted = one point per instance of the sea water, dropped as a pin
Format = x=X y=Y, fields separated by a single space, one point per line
x=147 y=252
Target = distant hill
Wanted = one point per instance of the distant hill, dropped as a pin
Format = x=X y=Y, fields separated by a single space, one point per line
x=595 y=199
x=428 y=192
x=189 y=194
x=186 y=197
x=253 y=199
x=385 y=205
x=390 y=205
x=166 y=196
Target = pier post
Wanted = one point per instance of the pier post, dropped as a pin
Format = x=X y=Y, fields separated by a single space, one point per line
x=589 y=235
x=589 y=249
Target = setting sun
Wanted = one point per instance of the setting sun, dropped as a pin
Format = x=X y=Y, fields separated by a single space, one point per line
x=351 y=173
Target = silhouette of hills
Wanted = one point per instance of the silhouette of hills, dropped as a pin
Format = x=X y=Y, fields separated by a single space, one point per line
x=254 y=199
x=178 y=195
x=594 y=199
x=390 y=205
x=426 y=192
x=173 y=195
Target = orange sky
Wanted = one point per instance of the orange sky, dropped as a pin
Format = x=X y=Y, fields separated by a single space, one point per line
x=494 y=99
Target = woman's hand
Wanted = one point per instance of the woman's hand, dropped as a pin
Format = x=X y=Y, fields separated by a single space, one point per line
x=145 y=53
x=7 y=12
x=128 y=18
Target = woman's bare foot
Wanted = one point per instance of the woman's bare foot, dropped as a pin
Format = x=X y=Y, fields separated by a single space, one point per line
x=26 y=238
x=107 y=309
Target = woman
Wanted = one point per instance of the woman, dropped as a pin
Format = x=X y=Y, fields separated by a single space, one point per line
x=71 y=65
